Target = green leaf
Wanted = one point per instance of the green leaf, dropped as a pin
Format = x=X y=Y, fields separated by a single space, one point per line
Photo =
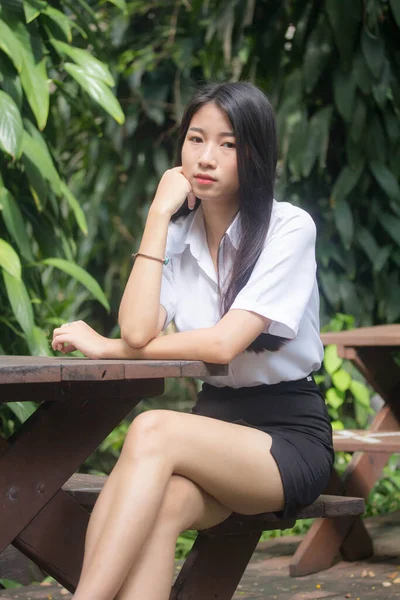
x=373 y=49
x=35 y=150
x=367 y=243
x=38 y=342
x=334 y=398
x=33 y=74
x=381 y=258
x=91 y=65
x=346 y=182
x=22 y=410
x=317 y=53
x=344 y=18
x=344 y=221
x=57 y=22
x=317 y=139
x=381 y=89
x=15 y=223
x=341 y=380
x=386 y=179
x=360 y=393
x=76 y=208
x=20 y=302
x=9 y=584
x=332 y=362
x=9 y=259
x=80 y=275
x=10 y=45
x=98 y=91
x=395 y=8
x=10 y=126
x=32 y=9
x=344 y=89
x=358 y=121
x=121 y=4
x=391 y=224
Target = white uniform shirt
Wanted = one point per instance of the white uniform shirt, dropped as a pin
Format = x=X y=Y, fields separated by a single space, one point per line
x=282 y=288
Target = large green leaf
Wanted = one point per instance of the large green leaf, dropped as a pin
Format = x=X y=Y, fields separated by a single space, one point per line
x=60 y=20
x=386 y=179
x=9 y=259
x=33 y=74
x=76 y=208
x=344 y=89
x=10 y=126
x=22 y=410
x=344 y=221
x=367 y=243
x=92 y=66
x=358 y=120
x=35 y=149
x=80 y=275
x=373 y=49
x=98 y=91
x=20 y=302
x=317 y=139
x=332 y=362
x=38 y=342
x=15 y=223
x=392 y=225
x=10 y=45
x=346 y=181
x=317 y=53
x=344 y=18
x=33 y=8
x=395 y=7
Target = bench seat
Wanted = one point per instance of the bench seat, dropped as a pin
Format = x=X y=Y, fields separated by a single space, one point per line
x=220 y=555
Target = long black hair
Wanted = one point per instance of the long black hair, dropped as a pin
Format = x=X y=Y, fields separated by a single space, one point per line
x=251 y=116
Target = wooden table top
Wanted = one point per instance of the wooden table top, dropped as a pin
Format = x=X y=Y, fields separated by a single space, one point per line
x=43 y=369
x=379 y=335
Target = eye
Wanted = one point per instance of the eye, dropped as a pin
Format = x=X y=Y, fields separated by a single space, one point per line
x=229 y=144
x=195 y=138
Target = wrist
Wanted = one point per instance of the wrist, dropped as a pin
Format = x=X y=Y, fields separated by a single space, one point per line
x=111 y=348
x=159 y=210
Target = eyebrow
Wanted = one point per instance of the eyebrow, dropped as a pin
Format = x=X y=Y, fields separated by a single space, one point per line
x=221 y=133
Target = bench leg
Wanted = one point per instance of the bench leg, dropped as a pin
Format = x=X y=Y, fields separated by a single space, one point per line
x=214 y=567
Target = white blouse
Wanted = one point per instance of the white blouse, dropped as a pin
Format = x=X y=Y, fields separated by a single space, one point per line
x=282 y=288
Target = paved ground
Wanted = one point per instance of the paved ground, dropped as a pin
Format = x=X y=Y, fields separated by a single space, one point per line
x=267 y=575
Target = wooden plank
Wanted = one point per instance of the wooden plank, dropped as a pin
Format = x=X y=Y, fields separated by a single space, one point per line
x=379 y=335
x=55 y=441
x=40 y=369
x=214 y=567
x=363 y=440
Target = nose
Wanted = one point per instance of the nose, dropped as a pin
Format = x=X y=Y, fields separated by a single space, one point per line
x=206 y=158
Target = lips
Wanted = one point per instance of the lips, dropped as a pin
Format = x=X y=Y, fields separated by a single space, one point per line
x=204 y=176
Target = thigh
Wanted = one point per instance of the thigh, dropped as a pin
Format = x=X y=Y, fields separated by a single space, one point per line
x=231 y=462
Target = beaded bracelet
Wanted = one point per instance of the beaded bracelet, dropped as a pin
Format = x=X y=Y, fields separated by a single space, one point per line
x=163 y=261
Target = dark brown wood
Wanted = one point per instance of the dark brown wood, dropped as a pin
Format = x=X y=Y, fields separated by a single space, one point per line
x=42 y=369
x=214 y=567
x=55 y=441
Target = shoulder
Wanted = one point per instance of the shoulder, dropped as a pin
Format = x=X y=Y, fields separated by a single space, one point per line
x=287 y=219
x=177 y=233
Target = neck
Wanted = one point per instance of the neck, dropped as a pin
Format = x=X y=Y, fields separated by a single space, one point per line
x=217 y=219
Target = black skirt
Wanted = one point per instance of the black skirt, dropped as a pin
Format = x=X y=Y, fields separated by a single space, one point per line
x=295 y=416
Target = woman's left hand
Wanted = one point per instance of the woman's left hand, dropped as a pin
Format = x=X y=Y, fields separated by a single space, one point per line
x=79 y=336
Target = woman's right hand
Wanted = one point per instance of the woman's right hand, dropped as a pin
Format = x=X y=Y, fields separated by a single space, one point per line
x=172 y=192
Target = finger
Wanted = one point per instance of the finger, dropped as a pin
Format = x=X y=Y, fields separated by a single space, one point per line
x=68 y=348
x=191 y=200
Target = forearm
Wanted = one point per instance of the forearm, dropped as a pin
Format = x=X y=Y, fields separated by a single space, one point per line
x=198 y=344
x=140 y=305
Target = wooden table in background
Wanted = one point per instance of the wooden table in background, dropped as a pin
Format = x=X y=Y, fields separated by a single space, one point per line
x=81 y=402
x=371 y=350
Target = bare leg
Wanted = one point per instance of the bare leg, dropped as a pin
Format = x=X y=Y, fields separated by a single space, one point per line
x=230 y=462
x=185 y=506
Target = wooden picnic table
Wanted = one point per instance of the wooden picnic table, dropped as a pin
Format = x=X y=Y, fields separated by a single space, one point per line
x=373 y=351
x=81 y=402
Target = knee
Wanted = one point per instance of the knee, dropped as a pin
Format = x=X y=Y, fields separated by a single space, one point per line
x=182 y=501
x=147 y=435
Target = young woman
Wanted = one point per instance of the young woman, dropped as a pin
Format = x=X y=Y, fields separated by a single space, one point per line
x=237 y=272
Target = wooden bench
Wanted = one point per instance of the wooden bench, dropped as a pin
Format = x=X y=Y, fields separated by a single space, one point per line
x=220 y=555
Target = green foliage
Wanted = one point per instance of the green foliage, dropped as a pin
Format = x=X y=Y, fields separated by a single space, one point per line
x=38 y=208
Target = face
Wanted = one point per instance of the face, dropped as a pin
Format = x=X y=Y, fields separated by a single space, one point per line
x=209 y=156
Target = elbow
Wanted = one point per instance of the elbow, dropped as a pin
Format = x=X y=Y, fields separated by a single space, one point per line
x=223 y=353
x=135 y=339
